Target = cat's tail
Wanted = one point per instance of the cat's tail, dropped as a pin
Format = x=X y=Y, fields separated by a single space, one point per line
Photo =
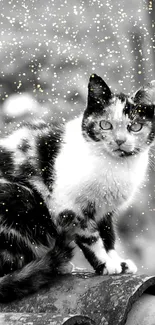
x=36 y=274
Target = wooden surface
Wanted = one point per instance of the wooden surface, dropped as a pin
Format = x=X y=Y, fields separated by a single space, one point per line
x=80 y=299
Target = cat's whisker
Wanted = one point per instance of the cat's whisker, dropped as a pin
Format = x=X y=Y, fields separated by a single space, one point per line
x=152 y=149
x=152 y=163
x=151 y=160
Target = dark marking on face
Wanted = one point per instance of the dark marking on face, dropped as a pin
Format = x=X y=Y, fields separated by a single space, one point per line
x=142 y=113
x=145 y=106
x=140 y=104
x=129 y=109
x=139 y=111
x=10 y=253
x=122 y=97
x=151 y=135
x=89 y=131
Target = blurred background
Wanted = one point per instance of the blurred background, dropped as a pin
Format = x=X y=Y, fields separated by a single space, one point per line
x=48 y=49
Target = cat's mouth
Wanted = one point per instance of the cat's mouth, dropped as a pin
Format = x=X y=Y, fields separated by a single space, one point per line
x=123 y=153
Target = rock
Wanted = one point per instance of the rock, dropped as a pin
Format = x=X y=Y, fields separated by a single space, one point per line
x=79 y=299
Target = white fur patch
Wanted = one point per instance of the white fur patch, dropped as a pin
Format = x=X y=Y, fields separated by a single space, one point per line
x=4 y=181
x=13 y=141
x=130 y=266
x=118 y=111
x=112 y=265
x=100 y=251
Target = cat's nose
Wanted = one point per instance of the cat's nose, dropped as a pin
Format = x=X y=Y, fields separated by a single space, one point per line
x=120 y=141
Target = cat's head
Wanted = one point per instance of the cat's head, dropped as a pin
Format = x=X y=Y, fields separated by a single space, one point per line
x=119 y=124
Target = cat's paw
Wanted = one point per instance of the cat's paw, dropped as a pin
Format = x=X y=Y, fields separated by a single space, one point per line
x=128 y=266
x=110 y=267
x=116 y=267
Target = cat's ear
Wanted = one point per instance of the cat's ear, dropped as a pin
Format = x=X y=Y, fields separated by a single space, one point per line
x=146 y=94
x=98 y=92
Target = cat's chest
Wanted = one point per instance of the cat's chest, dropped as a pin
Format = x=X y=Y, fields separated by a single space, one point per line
x=81 y=180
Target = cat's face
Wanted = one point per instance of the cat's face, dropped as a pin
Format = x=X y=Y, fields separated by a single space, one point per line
x=119 y=124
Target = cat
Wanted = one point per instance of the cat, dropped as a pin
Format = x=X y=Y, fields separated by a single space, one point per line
x=62 y=185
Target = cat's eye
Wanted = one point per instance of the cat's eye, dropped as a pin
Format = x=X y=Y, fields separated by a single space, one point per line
x=105 y=125
x=135 y=127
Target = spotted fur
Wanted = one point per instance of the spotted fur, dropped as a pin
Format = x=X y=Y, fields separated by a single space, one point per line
x=64 y=183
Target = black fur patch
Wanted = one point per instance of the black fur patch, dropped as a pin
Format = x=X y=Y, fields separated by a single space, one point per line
x=100 y=269
x=25 y=172
x=124 y=267
x=37 y=274
x=66 y=218
x=87 y=240
x=121 y=96
x=6 y=162
x=32 y=217
x=15 y=252
x=29 y=225
x=90 y=210
x=48 y=146
x=89 y=254
x=106 y=231
x=68 y=221
x=139 y=110
x=24 y=146
x=99 y=94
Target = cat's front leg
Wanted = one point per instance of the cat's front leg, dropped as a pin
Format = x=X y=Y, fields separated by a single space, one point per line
x=106 y=231
x=97 y=256
x=92 y=245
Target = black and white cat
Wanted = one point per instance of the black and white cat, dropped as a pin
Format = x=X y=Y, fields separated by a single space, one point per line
x=64 y=183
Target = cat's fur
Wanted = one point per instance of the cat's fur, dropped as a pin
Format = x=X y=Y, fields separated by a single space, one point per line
x=60 y=183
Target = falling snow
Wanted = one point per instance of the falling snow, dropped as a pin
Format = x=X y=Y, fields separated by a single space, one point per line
x=49 y=48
